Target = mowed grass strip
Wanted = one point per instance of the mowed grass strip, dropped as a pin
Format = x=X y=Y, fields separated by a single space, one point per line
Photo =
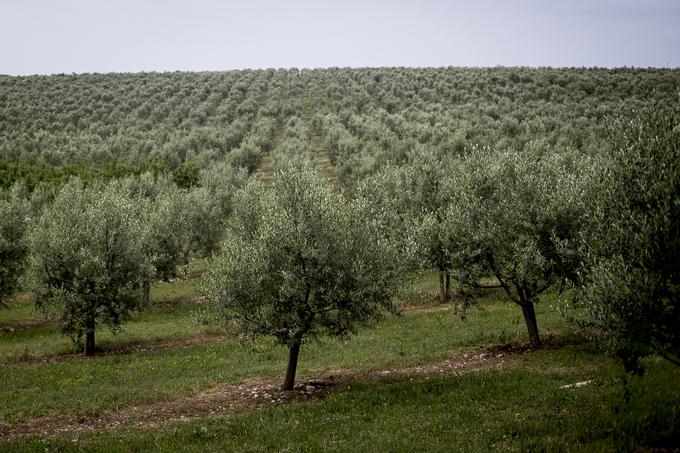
x=521 y=407
x=25 y=334
x=109 y=382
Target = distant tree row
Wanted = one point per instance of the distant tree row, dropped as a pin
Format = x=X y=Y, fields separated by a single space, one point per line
x=135 y=118
x=93 y=119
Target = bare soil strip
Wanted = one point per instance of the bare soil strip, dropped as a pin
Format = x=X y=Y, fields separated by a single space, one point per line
x=264 y=171
x=27 y=325
x=323 y=159
x=247 y=396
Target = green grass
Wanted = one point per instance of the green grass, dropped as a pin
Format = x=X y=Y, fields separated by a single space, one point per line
x=26 y=334
x=518 y=408
x=111 y=381
x=19 y=314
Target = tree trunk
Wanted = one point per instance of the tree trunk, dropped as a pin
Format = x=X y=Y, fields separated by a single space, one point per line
x=293 y=352
x=442 y=287
x=146 y=289
x=530 y=320
x=89 y=337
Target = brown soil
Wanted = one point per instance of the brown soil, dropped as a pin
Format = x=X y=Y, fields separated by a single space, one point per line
x=247 y=396
x=426 y=307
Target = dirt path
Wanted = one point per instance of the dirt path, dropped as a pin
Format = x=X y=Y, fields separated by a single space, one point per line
x=264 y=171
x=247 y=396
x=323 y=159
x=18 y=326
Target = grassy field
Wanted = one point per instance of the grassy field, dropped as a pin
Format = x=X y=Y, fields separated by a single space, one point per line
x=519 y=408
x=388 y=389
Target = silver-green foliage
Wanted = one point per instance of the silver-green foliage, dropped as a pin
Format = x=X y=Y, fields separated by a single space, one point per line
x=428 y=181
x=299 y=262
x=14 y=214
x=411 y=201
x=632 y=286
x=88 y=258
x=184 y=221
x=517 y=217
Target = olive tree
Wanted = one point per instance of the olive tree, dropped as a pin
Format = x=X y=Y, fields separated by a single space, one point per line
x=516 y=217
x=14 y=212
x=631 y=287
x=88 y=259
x=412 y=201
x=299 y=262
x=427 y=181
x=183 y=221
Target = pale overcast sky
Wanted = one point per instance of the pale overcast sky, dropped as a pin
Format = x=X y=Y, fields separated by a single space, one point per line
x=63 y=36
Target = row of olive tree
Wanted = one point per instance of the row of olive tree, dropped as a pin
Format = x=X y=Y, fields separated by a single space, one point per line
x=510 y=217
x=91 y=253
x=301 y=260
x=607 y=226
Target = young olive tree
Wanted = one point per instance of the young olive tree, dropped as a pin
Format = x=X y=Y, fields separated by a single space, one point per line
x=299 y=262
x=427 y=181
x=631 y=289
x=14 y=213
x=164 y=206
x=516 y=217
x=412 y=201
x=88 y=259
x=183 y=221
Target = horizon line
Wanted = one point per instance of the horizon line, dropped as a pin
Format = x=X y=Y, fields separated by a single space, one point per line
x=316 y=68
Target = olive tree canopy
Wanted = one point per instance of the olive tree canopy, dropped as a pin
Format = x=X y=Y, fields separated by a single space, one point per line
x=411 y=201
x=517 y=217
x=14 y=212
x=299 y=262
x=631 y=288
x=88 y=259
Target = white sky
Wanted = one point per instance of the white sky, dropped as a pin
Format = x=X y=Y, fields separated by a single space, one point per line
x=46 y=37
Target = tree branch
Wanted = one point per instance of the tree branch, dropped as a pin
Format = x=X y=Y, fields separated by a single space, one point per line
x=504 y=285
x=507 y=288
x=522 y=295
x=489 y=286
x=542 y=288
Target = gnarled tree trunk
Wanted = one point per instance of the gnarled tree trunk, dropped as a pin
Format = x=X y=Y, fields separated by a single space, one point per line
x=530 y=320
x=447 y=286
x=89 y=336
x=293 y=352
